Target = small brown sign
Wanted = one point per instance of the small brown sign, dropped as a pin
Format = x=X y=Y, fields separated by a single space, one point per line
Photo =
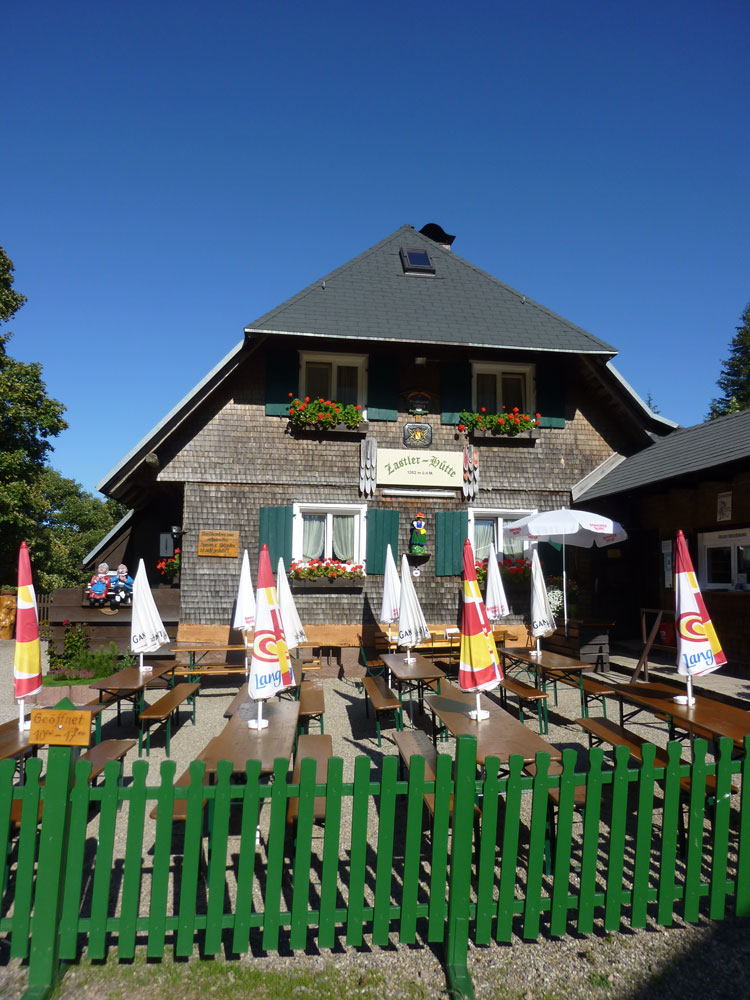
x=60 y=727
x=224 y=544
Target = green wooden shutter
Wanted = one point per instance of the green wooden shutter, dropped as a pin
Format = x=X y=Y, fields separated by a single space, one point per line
x=276 y=531
x=455 y=390
x=451 y=531
x=282 y=377
x=382 y=389
x=382 y=530
x=550 y=394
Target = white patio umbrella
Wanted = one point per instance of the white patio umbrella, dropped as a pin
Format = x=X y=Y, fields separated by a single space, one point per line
x=147 y=632
x=290 y=619
x=244 y=612
x=270 y=666
x=412 y=627
x=542 y=619
x=567 y=527
x=496 y=603
x=391 y=592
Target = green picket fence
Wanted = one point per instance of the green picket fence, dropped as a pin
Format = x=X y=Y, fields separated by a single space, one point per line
x=97 y=869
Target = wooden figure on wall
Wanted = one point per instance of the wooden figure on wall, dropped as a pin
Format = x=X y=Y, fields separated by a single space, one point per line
x=418 y=539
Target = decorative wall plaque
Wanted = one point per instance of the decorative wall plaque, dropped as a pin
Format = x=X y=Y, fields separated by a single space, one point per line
x=417 y=435
x=221 y=544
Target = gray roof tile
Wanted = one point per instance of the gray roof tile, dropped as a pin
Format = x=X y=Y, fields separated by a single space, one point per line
x=371 y=298
x=687 y=450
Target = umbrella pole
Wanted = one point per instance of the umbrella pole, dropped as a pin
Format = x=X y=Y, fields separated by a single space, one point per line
x=565 y=591
x=22 y=715
x=260 y=722
x=477 y=714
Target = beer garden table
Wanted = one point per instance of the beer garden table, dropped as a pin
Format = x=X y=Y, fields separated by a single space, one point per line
x=414 y=675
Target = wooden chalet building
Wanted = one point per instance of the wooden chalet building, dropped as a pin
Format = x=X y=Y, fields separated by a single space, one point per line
x=697 y=480
x=414 y=335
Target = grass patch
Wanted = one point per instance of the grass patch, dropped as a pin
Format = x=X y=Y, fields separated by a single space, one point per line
x=196 y=980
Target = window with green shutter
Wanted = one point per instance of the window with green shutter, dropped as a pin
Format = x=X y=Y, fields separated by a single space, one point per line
x=282 y=377
x=275 y=531
x=451 y=531
x=382 y=389
x=550 y=394
x=382 y=531
x=455 y=390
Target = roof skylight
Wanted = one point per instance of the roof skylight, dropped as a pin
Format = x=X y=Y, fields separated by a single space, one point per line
x=416 y=261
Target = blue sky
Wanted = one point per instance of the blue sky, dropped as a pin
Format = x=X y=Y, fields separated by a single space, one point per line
x=171 y=170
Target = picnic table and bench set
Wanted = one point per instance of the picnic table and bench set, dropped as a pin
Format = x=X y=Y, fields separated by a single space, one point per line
x=391 y=678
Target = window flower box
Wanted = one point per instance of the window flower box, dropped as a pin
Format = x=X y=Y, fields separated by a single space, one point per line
x=327 y=583
x=504 y=426
x=340 y=430
x=320 y=414
x=487 y=435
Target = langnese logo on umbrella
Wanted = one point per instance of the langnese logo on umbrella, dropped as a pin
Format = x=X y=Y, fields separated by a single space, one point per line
x=270 y=646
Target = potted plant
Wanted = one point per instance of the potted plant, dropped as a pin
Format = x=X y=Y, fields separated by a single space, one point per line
x=169 y=567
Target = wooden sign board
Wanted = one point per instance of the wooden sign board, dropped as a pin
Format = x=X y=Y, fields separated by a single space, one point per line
x=224 y=544
x=60 y=727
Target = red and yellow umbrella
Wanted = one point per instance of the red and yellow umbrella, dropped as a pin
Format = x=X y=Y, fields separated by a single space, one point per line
x=27 y=662
x=479 y=669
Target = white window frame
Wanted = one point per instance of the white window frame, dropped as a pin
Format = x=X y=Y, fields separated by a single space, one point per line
x=489 y=368
x=730 y=538
x=499 y=515
x=358 y=361
x=329 y=509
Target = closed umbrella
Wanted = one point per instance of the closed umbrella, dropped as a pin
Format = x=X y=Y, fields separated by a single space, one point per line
x=496 y=602
x=698 y=648
x=244 y=612
x=479 y=668
x=27 y=657
x=391 y=592
x=293 y=627
x=567 y=527
x=412 y=627
x=270 y=666
x=542 y=619
x=147 y=633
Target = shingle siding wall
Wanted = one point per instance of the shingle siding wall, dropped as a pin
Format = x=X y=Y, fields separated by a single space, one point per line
x=235 y=460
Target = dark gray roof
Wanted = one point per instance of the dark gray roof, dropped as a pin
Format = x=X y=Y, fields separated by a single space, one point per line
x=687 y=450
x=371 y=298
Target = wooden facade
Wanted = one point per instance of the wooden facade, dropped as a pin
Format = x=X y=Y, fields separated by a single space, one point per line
x=228 y=458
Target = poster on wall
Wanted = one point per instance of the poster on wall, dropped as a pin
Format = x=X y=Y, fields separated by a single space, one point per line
x=666 y=558
x=724 y=507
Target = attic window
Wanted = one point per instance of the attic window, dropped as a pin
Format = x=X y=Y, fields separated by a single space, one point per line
x=416 y=261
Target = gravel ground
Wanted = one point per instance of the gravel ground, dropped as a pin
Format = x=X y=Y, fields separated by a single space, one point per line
x=707 y=960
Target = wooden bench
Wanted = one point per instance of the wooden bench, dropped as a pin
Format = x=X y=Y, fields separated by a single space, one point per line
x=208 y=651
x=415 y=743
x=312 y=705
x=162 y=711
x=604 y=731
x=99 y=755
x=319 y=747
x=179 y=810
x=525 y=693
x=590 y=688
x=383 y=699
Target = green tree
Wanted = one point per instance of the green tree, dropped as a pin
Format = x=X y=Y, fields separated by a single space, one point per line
x=71 y=522
x=734 y=380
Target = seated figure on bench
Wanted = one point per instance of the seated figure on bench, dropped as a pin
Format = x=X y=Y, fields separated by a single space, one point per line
x=122 y=588
x=99 y=585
